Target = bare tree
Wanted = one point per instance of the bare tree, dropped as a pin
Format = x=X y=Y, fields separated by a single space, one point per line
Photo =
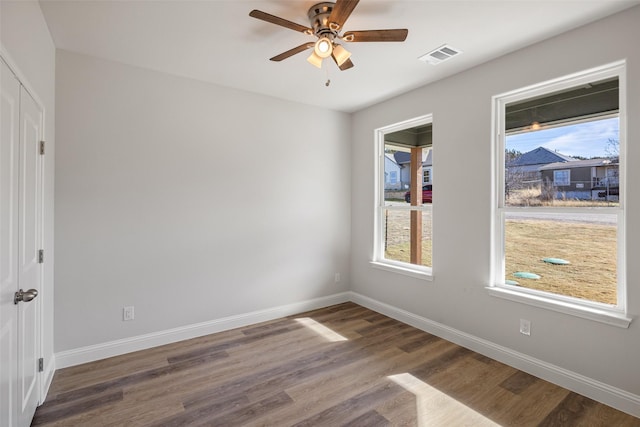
x=513 y=175
x=612 y=148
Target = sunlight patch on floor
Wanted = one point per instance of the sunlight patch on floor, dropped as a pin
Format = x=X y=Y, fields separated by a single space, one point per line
x=320 y=329
x=435 y=408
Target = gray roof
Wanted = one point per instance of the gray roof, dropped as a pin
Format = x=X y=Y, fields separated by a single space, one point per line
x=391 y=157
x=540 y=156
x=580 y=164
x=403 y=158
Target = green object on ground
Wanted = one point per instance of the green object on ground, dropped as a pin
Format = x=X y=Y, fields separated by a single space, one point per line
x=556 y=261
x=511 y=282
x=526 y=275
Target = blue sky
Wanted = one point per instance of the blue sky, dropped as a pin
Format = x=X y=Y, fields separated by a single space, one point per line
x=587 y=139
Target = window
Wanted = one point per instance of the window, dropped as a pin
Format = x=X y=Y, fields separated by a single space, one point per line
x=559 y=208
x=426 y=176
x=393 y=177
x=403 y=225
x=561 y=178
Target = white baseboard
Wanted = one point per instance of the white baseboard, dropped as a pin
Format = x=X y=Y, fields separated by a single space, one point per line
x=91 y=353
x=596 y=390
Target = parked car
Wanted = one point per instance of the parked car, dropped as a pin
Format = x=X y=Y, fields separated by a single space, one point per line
x=426 y=194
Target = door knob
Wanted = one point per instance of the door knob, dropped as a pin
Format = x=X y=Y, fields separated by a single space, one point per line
x=25 y=296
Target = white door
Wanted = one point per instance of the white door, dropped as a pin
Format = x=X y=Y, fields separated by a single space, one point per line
x=29 y=244
x=21 y=225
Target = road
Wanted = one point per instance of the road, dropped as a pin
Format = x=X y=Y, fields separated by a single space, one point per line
x=584 y=218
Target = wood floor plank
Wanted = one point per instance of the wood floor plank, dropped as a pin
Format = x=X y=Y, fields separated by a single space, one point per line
x=137 y=377
x=368 y=419
x=570 y=412
x=252 y=411
x=324 y=391
x=123 y=414
x=291 y=371
x=50 y=411
x=354 y=407
x=328 y=389
x=241 y=362
x=202 y=413
x=518 y=382
x=527 y=408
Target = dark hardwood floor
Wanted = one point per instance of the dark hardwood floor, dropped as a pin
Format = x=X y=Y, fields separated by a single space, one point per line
x=343 y=365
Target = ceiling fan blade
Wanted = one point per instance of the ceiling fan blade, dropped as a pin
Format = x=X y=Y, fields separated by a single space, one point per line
x=258 y=14
x=291 y=52
x=341 y=11
x=398 y=35
x=345 y=65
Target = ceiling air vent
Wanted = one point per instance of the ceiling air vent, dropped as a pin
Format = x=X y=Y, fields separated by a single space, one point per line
x=440 y=54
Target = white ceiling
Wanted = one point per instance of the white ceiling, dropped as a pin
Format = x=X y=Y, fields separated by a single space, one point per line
x=216 y=41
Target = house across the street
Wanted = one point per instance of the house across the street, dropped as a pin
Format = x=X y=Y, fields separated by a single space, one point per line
x=592 y=179
x=402 y=159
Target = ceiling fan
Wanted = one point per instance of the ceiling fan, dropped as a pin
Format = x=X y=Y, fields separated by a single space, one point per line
x=326 y=21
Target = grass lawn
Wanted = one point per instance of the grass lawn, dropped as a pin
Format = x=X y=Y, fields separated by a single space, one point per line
x=590 y=249
x=398 y=236
x=400 y=252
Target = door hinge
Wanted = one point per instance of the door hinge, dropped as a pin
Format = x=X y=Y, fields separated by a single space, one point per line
x=40 y=256
x=41 y=364
x=42 y=147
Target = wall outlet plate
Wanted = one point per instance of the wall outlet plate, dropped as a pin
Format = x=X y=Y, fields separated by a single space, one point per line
x=128 y=313
x=525 y=327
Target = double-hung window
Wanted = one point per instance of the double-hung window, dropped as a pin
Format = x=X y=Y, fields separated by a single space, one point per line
x=559 y=211
x=403 y=216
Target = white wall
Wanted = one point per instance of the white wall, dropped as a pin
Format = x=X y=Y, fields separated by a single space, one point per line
x=461 y=107
x=191 y=202
x=27 y=46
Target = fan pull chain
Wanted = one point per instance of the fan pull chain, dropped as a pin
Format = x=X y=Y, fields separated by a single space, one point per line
x=326 y=72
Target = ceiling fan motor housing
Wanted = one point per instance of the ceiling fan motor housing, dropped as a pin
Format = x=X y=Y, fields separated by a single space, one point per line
x=319 y=19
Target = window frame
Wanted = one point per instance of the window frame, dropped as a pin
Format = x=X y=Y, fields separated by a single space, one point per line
x=378 y=259
x=609 y=314
x=426 y=172
x=393 y=177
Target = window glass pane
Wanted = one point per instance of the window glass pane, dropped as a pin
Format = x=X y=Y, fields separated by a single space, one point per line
x=397 y=236
x=396 y=173
x=573 y=255
x=397 y=161
x=561 y=178
x=427 y=235
x=574 y=164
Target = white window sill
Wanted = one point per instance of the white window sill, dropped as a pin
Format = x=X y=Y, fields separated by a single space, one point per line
x=423 y=273
x=592 y=313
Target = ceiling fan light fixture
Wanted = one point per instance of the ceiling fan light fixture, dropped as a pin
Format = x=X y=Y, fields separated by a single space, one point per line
x=323 y=47
x=340 y=54
x=314 y=59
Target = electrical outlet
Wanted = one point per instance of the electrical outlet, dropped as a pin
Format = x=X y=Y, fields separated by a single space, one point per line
x=337 y=277
x=128 y=313
x=525 y=327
